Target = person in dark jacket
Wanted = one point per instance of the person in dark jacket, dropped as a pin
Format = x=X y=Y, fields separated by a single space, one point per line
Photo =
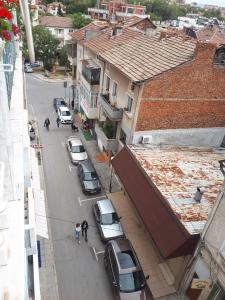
x=84 y=228
x=58 y=121
x=47 y=123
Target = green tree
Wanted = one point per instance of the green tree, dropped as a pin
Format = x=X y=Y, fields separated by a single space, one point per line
x=79 y=20
x=63 y=58
x=45 y=46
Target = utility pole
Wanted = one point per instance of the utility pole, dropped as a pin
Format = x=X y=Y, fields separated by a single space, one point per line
x=28 y=28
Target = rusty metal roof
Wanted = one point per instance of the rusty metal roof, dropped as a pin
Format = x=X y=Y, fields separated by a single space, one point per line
x=177 y=172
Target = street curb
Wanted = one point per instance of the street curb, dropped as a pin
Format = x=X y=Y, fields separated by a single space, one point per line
x=43 y=78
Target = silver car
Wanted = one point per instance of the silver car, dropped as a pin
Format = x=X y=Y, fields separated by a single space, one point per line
x=107 y=220
x=76 y=150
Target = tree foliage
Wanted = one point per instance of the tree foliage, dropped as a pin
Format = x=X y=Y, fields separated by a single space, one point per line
x=45 y=46
x=59 y=11
x=78 y=6
x=79 y=20
x=63 y=58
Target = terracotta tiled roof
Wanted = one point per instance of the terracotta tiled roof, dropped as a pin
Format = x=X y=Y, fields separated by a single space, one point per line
x=60 y=22
x=144 y=57
x=106 y=41
x=95 y=26
x=213 y=35
x=131 y=21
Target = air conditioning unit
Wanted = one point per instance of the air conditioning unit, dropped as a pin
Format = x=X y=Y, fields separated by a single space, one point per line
x=146 y=139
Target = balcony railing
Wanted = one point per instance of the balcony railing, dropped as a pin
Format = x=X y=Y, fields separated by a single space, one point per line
x=113 y=113
x=109 y=144
x=9 y=57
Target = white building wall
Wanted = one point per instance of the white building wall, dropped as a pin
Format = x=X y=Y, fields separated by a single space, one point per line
x=200 y=137
x=14 y=142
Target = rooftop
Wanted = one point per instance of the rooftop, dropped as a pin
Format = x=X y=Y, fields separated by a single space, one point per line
x=177 y=172
x=55 y=21
x=144 y=56
x=95 y=26
x=211 y=34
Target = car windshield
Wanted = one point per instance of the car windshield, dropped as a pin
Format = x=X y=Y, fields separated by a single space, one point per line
x=78 y=149
x=90 y=176
x=109 y=219
x=131 y=282
x=65 y=113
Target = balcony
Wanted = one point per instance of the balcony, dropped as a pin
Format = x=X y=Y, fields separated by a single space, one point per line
x=91 y=71
x=112 y=112
x=109 y=144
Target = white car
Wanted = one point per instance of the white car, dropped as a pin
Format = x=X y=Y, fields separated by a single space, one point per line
x=64 y=115
x=76 y=150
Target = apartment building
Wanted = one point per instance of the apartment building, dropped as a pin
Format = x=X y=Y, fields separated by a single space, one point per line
x=154 y=87
x=19 y=185
x=60 y=27
x=116 y=10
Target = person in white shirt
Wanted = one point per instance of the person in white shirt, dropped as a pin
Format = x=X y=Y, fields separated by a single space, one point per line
x=77 y=232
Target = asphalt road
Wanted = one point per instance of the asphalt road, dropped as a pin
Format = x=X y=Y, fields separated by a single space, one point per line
x=80 y=276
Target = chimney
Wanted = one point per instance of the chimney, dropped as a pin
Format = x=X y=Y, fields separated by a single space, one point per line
x=198 y=195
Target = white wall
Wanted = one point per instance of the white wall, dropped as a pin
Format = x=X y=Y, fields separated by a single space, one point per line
x=200 y=137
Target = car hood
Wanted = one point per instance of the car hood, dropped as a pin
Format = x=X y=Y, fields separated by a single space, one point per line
x=113 y=230
x=66 y=118
x=91 y=185
x=139 y=295
x=78 y=156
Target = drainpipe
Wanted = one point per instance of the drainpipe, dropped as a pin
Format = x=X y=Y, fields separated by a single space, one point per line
x=140 y=89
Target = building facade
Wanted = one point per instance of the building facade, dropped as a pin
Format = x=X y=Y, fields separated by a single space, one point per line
x=60 y=27
x=19 y=264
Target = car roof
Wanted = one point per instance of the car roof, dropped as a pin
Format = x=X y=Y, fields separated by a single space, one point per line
x=64 y=108
x=75 y=141
x=87 y=166
x=59 y=99
x=125 y=255
x=105 y=206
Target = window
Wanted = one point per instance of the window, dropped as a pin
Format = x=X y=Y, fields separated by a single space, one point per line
x=217 y=292
x=114 y=89
x=123 y=136
x=219 y=58
x=130 y=10
x=107 y=83
x=129 y=103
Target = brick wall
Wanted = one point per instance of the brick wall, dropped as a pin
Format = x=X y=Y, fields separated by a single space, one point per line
x=191 y=96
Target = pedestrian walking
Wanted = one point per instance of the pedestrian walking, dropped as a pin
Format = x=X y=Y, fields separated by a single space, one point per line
x=58 y=121
x=84 y=228
x=47 y=123
x=77 y=232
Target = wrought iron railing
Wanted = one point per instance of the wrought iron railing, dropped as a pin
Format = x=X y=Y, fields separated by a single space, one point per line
x=9 y=57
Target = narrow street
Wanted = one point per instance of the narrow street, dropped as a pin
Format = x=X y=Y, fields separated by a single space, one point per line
x=79 y=275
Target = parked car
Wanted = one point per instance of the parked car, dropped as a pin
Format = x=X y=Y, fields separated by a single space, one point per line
x=58 y=102
x=35 y=64
x=107 y=220
x=64 y=115
x=28 y=69
x=88 y=178
x=76 y=150
x=124 y=270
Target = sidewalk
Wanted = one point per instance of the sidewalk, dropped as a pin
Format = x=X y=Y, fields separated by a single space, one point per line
x=101 y=165
x=41 y=77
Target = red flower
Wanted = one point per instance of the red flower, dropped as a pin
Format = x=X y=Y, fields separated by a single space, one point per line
x=5 y=14
x=15 y=29
x=5 y=34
